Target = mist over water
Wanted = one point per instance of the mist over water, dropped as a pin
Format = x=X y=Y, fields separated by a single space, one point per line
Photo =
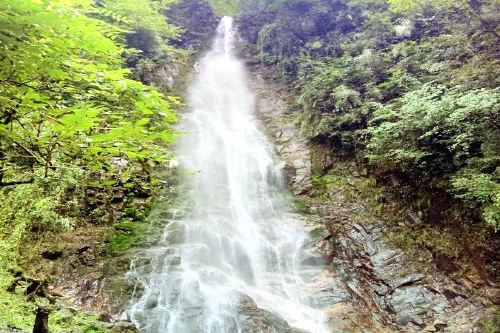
x=239 y=238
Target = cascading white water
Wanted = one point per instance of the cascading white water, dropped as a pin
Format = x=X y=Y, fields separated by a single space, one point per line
x=238 y=239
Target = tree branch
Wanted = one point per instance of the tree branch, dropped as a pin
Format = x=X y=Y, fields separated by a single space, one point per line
x=17 y=183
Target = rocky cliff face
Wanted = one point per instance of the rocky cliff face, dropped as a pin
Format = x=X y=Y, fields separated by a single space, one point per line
x=371 y=285
x=197 y=20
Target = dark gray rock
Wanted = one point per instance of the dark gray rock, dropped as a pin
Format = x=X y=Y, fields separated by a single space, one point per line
x=253 y=319
x=123 y=327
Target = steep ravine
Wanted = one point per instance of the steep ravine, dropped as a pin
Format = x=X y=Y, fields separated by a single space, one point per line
x=369 y=284
x=373 y=286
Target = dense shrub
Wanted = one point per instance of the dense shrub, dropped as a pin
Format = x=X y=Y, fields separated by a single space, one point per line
x=410 y=87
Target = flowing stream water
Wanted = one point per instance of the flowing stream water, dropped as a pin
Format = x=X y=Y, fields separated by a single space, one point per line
x=239 y=239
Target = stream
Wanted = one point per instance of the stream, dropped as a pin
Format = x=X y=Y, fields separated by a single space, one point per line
x=231 y=262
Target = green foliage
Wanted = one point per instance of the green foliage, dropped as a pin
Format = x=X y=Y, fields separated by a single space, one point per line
x=14 y=310
x=66 y=321
x=491 y=323
x=146 y=27
x=332 y=108
x=435 y=132
x=403 y=6
x=37 y=207
x=17 y=312
x=476 y=188
x=430 y=118
x=225 y=8
x=408 y=5
x=69 y=103
x=408 y=86
x=76 y=130
x=237 y=7
x=141 y=14
x=125 y=235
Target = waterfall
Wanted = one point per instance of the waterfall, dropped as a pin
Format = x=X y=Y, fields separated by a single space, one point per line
x=238 y=240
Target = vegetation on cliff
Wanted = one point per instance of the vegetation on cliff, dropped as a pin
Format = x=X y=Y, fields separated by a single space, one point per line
x=408 y=89
x=80 y=137
x=411 y=88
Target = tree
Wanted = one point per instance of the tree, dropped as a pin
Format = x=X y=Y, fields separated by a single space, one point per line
x=435 y=134
x=475 y=9
x=67 y=102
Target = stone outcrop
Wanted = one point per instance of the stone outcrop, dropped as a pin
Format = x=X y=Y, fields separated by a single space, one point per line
x=292 y=149
x=253 y=319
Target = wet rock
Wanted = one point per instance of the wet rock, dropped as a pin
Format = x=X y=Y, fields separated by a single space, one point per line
x=440 y=324
x=292 y=149
x=385 y=259
x=382 y=290
x=52 y=255
x=337 y=196
x=88 y=258
x=299 y=164
x=193 y=312
x=334 y=294
x=174 y=261
x=408 y=280
x=358 y=208
x=412 y=216
x=321 y=159
x=120 y=290
x=105 y=317
x=312 y=259
x=140 y=262
x=82 y=248
x=119 y=162
x=151 y=302
x=380 y=277
x=314 y=209
x=123 y=327
x=437 y=326
x=253 y=319
x=318 y=231
x=404 y=319
x=415 y=303
x=493 y=295
x=430 y=328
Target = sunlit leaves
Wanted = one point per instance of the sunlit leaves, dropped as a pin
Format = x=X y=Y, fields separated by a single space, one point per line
x=235 y=7
x=476 y=187
x=408 y=5
x=78 y=120
x=66 y=98
x=140 y=14
x=435 y=131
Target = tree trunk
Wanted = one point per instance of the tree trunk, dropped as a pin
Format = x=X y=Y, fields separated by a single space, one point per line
x=41 y=321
